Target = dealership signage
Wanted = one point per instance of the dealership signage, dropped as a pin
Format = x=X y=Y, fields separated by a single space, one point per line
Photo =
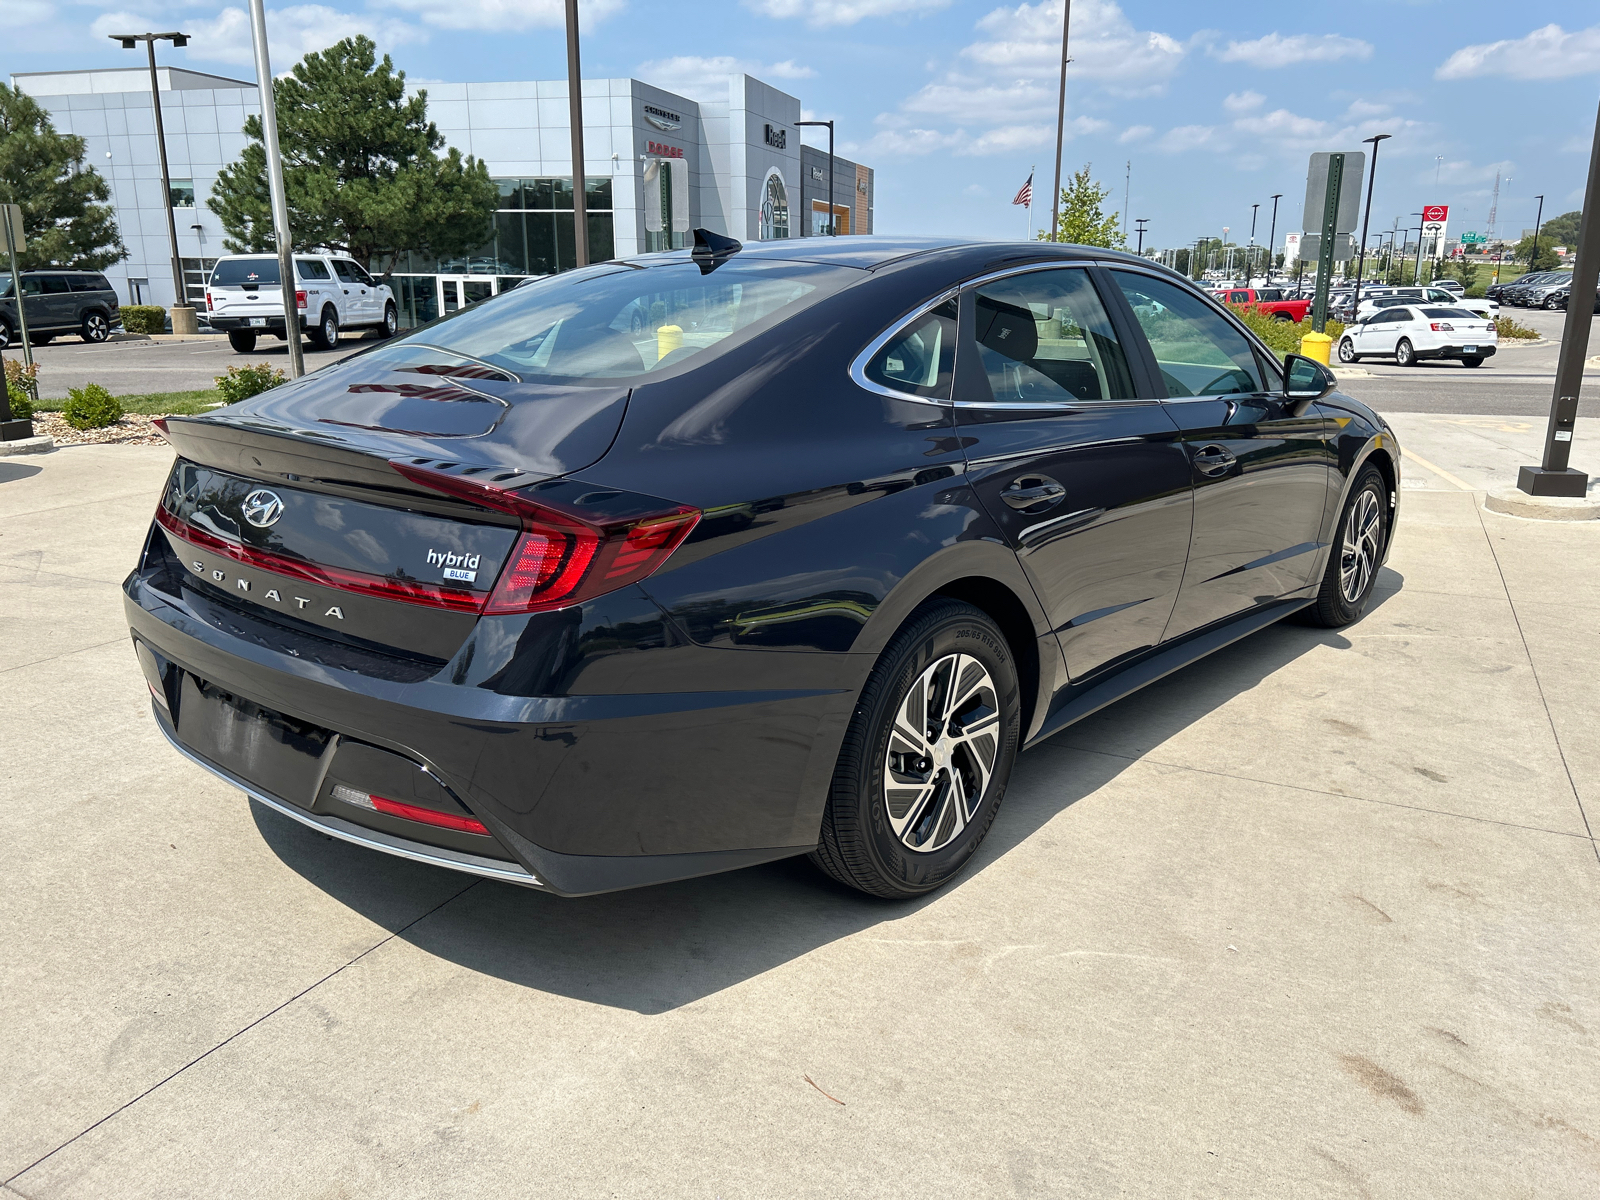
x=1435 y=220
x=662 y=119
x=777 y=138
x=664 y=150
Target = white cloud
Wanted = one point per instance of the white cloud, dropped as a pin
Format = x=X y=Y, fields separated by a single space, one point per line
x=1188 y=137
x=697 y=77
x=1548 y=53
x=843 y=12
x=294 y=32
x=1278 y=50
x=1136 y=133
x=1360 y=110
x=1104 y=46
x=1243 y=102
x=508 y=15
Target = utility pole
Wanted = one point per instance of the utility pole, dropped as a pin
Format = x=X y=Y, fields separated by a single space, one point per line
x=1372 y=178
x=1251 y=268
x=1140 y=223
x=832 y=225
x=1127 y=187
x=1538 y=221
x=183 y=318
x=1272 y=236
x=280 y=201
x=1061 y=123
x=580 y=196
x=1553 y=477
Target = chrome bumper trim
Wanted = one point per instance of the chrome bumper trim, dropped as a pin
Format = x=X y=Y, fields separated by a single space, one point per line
x=372 y=839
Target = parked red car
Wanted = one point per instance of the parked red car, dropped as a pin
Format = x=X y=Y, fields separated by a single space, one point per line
x=1268 y=300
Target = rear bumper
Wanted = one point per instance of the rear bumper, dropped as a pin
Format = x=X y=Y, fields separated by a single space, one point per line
x=583 y=793
x=1486 y=350
x=271 y=323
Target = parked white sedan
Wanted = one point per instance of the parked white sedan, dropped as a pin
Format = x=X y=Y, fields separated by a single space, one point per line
x=1409 y=334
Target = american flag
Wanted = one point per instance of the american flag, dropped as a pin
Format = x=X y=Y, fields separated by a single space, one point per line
x=1025 y=196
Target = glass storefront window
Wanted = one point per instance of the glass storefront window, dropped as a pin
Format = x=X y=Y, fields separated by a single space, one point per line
x=775 y=209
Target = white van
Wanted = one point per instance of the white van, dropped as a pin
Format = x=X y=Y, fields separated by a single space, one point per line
x=244 y=299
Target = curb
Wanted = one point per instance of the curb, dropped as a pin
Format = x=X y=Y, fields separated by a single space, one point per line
x=1514 y=502
x=39 y=444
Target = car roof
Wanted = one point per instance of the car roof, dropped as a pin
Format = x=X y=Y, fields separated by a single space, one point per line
x=871 y=251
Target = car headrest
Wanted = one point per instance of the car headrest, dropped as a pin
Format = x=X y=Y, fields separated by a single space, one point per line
x=1007 y=329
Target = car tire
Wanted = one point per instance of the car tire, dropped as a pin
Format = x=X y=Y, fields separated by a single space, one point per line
x=1404 y=354
x=1347 y=352
x=863 y=843
x=1551 y=304
x=391 y=322
x=325 y=336
x=96 y=327
x=1282 y=317
x=1357 y=552
x=6 y=335
x=242 y=340
x=1472 y=361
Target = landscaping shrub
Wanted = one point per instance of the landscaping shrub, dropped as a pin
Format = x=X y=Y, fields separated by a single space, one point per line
x=91 y=407
x=240 y=383
x=1282 y=337
x=22 y=389
x=1507 y=327
x=144 y=318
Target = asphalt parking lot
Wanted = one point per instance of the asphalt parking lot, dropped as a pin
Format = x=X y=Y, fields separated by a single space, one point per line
x=138 y=368
x=1317 y=916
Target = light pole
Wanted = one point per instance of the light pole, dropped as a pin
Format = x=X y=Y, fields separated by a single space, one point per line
x=1272 y=235
x=580 y=196
x=1537 y=221
x=1250 y=269
x=1061 y=123
x=1416 y=271
x=832 y=227
x=1372 y=177
x=1139 y=223
x=280 y=202
x=1438 y=161
x=183 y=319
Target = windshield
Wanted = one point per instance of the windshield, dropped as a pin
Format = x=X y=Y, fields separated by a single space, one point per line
x=618 y=322
x=1450 y=314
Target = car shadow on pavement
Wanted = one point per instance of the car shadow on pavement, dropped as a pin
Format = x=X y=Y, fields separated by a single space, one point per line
x=11 y=472
x=657 y=949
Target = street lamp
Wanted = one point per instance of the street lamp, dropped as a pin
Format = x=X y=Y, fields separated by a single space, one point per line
x=1537 y=221
x=1372 y=178
x=580 y=193
x=1272 y=235
x=1250 y=270
x=1139 y=223
x=183 y=319
x=832 y=227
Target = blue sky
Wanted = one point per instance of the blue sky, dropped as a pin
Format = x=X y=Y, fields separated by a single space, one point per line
x=1216 y=105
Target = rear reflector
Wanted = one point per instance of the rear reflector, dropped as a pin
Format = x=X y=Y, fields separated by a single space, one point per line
x=408 y=812
x=562 y=559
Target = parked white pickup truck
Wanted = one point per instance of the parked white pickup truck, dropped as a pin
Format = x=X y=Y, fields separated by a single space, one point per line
x=245 y=300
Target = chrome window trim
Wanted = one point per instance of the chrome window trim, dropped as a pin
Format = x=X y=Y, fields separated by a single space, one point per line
x=858 y=365
x=372 y=839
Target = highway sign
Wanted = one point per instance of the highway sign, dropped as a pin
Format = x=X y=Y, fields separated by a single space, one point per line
x=1469 y=238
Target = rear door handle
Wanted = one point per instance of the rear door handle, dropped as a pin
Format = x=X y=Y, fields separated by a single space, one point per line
x=1033 y=493
x=1214 y=460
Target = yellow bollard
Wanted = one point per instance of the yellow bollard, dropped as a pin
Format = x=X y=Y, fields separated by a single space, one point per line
x=1316 y=345
x=670 y=338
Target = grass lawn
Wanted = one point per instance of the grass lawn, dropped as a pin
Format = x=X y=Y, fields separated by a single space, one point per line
x=155 y=404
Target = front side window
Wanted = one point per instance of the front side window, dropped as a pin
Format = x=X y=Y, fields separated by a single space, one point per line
x=920 y=358
x=615 y=322
x=1044 y=338
x=345 y=270
x=56 y=285
x=1199 y=353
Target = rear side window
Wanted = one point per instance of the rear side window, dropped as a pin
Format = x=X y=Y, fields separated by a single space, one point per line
x=55 y=285
x=311 y=268
x=89 y=283
x=1044 y=338
x=1450 y=314
x=1198 y=351
x=234 y=272
x=919 y=358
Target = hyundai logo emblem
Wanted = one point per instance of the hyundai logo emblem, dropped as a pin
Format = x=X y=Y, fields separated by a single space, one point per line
x=262 y=508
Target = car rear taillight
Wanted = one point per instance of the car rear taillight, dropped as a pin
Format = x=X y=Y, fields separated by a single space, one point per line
x=563 y=559
x=208 y=301
x=299 y=299
x=1442 y=327
x=408 y=812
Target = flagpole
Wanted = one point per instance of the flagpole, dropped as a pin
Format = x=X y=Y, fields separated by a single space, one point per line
x=1031 y=170
x=1061 y=121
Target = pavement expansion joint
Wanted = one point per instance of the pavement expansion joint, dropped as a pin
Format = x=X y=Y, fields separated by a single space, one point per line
x=235 y=1035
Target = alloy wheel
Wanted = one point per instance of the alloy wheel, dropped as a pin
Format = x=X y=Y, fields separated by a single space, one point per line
x=941 y=752
x=96 y=328
x=1359 y=556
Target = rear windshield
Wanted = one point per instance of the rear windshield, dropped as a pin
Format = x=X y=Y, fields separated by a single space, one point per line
x=619 y=322
x=1451 y=314
x=231 y=272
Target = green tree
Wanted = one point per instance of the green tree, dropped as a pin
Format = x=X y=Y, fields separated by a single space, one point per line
x=1082 y=221
x=1547 y=260
x=361 y=167
x=65 y=221
x=1562 y=230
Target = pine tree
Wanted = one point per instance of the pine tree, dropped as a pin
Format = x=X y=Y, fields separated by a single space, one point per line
x=1081 y=220
x=360 y=164
x=65 y=222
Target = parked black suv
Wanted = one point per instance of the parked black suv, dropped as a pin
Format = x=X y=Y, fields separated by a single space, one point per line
x=80 y=302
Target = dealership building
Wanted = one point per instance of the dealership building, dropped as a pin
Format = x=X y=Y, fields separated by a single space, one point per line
x=657 y=166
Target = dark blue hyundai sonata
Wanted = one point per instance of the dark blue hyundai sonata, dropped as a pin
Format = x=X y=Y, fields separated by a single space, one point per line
x=683 y=563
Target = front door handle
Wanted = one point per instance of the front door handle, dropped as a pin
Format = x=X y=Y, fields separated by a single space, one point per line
x=1033 y=493
x=1214 y=460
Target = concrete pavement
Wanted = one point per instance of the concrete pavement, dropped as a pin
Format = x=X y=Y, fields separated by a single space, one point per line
x=1318 y=916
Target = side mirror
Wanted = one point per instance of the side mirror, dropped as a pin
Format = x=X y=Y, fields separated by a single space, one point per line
x=1305 y=379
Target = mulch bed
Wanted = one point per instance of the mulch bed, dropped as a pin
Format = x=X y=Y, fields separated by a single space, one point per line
x=135 y=429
